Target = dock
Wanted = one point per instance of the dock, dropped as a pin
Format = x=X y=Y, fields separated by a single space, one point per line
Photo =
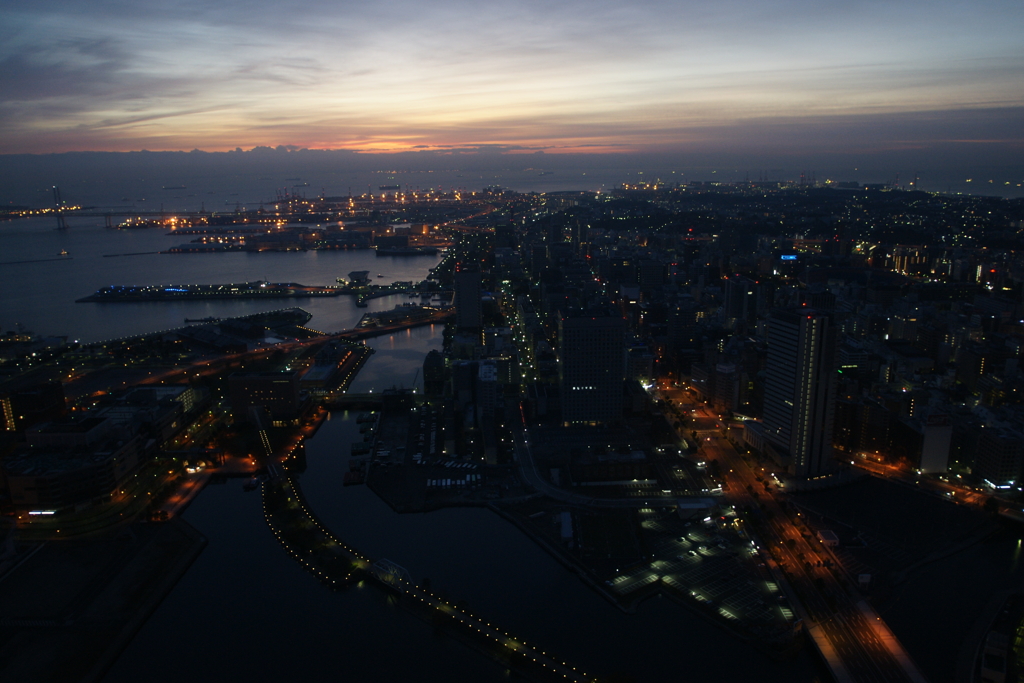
x=243 y=290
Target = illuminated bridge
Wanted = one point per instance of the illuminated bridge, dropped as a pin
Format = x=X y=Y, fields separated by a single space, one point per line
x=337 y=565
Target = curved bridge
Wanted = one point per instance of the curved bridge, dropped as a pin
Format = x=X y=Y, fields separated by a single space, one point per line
x=392 y=574
x=313 y=545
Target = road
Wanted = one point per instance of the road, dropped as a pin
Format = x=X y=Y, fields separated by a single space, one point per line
x=960 y=493
x=862 y=650
x=532 y=478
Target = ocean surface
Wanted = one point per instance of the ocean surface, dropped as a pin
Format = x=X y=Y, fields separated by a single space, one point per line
x=38 y=288
x=153 y=182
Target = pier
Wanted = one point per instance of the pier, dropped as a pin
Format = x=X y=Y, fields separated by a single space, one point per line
x=243 y=290
x=434 y=318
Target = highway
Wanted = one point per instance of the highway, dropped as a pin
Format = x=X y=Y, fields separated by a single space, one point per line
x=856 y=643
x=961 y=493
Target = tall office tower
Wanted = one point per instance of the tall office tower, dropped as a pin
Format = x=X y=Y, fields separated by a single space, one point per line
x=682 y=324
x=581 y=237
x=433 y=374
x=591 y=368
x=652 y=273
x=468 y=312
x=800 y=390
x=740 y=300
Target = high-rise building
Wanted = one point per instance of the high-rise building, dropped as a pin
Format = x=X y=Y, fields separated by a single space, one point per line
x=468 y=311
x=487 y=389
x=740 y=300
x=1000 y=456
x=32 y=405
x=433 y=374
x=800 y=389
x=591 y=368
x=682 y=324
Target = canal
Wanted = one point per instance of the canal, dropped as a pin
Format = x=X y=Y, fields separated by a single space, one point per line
x=246 y=610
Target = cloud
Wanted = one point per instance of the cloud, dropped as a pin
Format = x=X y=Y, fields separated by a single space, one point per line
x=521 y=75
x=86 y=69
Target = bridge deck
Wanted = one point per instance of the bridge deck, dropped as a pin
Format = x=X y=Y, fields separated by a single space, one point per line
x=323 y=549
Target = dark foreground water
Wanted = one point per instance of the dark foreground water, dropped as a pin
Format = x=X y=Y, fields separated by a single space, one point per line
x=247 y=611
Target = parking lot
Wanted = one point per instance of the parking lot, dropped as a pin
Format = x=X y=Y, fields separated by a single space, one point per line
x=712 y=564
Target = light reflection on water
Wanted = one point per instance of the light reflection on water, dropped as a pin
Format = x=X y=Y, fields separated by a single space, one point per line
x=246 y=609
x=397 y=360
x=244 y=592
x=41 y=296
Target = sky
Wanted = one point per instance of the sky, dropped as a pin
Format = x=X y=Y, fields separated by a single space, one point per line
x=734 y=77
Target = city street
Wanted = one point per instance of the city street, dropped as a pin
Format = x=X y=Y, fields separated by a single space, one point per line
x=857 y=648
x=533 y=479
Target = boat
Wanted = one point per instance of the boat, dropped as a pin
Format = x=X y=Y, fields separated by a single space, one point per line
x=63 y=252
x=380 y=275
x=138 y=223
